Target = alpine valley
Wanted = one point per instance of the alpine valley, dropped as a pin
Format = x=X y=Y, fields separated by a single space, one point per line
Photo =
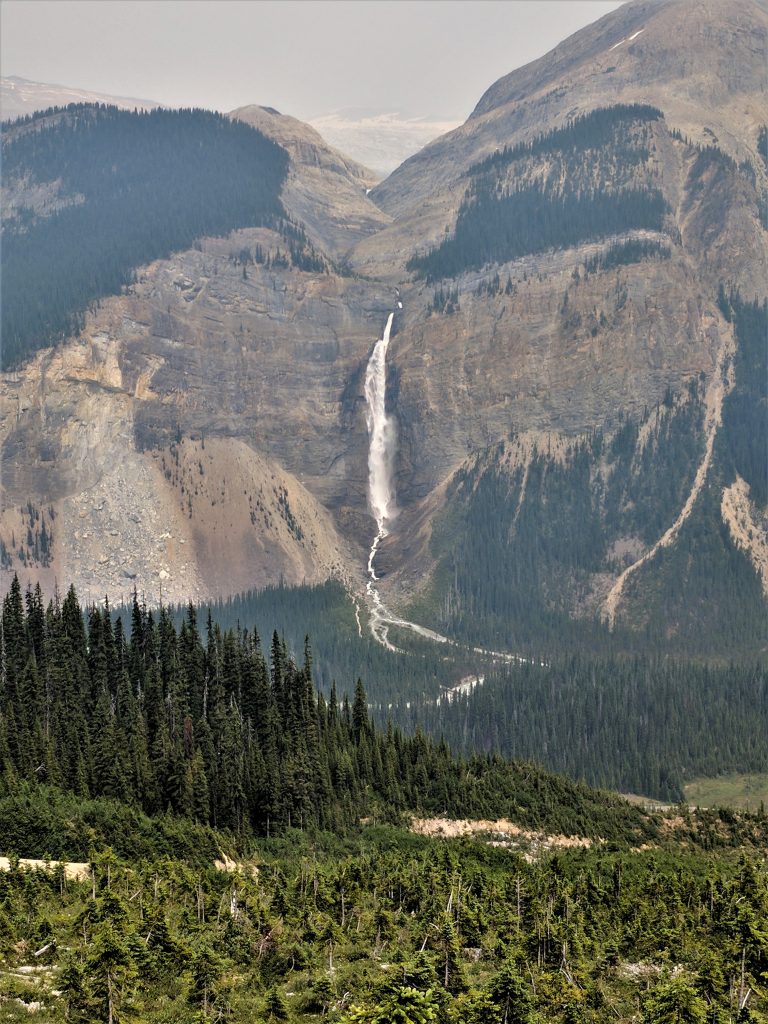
x=574 y=377
x=483 y=448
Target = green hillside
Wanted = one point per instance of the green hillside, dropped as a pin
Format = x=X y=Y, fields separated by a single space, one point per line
x=532 y=197
x=244 y=854
x=520 y=549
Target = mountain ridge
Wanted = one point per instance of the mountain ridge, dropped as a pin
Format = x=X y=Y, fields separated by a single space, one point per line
x=326 y=191
x=612 y=331
x=21 y=96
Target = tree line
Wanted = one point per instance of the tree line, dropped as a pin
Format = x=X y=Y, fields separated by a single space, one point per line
x=581 y=182
x=638 y=725
x=228 y=734
x=134 y=187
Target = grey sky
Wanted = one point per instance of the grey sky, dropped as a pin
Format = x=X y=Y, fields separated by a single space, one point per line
x=425 y=57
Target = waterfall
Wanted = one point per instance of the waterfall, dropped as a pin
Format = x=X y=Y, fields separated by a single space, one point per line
x=381 y=492
x=381 y=448
x=381 y=454
x=381 y=499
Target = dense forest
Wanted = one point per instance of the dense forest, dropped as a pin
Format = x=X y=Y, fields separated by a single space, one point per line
x=339 y=653
x=654 y=746
x=540 y=195
x=604 y=126
x=494 y=229
x=390 y=928
x=228 y=734
x=620 y=254
x=642 y=725
x=130 y=187
x=148 y=758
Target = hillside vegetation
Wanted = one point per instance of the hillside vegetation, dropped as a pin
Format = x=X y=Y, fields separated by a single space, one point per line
x=523 y=546
x=229 y=735
x=389 y=927
x=585 y=181
x=129 y=187
x=231 y=900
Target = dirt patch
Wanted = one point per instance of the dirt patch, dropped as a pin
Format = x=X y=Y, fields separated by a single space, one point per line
x=672 y=824
x=626 y=549
x=233 y=866
x=502 y=832
x=76 y=871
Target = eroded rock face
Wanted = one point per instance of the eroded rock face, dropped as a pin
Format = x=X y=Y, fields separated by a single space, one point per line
x=260 y=363
x=267 y=372
x=260 y=368
x=558 y=354
x=206 y=433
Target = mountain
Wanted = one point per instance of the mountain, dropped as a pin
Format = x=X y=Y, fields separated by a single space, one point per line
x=380 y=139
x=704 y=70
x=264 y=290
x=577 y=277
x=326 y=191
x=20 y=96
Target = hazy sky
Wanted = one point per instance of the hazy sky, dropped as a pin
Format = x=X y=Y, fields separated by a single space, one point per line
x=418 y=57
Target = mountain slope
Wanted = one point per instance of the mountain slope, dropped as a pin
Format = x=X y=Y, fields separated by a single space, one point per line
x=572 y=370
x=20 y=96
x=129 y=187
x=703 y=69
x=325 y=190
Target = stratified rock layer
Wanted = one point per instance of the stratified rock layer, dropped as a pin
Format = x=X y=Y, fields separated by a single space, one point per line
x=205 y=432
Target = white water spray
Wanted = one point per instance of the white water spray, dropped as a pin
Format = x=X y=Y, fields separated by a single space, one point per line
x=381 y=498
x=381 y=431
x=381 y=452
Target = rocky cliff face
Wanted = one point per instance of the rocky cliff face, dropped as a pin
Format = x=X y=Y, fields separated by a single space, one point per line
x=326 y=191
x=260 y=368
x=206 y=430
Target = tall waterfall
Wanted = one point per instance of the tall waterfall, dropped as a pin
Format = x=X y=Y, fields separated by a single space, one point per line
x=381 y=498
x=381 y=455
x=381 y=449
x=381 y=491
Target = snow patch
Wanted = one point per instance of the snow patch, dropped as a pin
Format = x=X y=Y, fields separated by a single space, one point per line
x=627 y=39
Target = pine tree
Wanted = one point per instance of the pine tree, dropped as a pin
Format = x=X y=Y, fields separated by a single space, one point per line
x=360 y=723
x=207 y=967
x=405 y=1006
x=675 y=1001
x=111 y=972
x=511 y=995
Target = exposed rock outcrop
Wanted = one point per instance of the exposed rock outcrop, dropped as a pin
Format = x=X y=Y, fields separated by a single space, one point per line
x=205 y=432
x=325 y=191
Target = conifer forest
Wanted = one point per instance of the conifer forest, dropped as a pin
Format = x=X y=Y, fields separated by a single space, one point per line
x=384 y=512
x=217 y=839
